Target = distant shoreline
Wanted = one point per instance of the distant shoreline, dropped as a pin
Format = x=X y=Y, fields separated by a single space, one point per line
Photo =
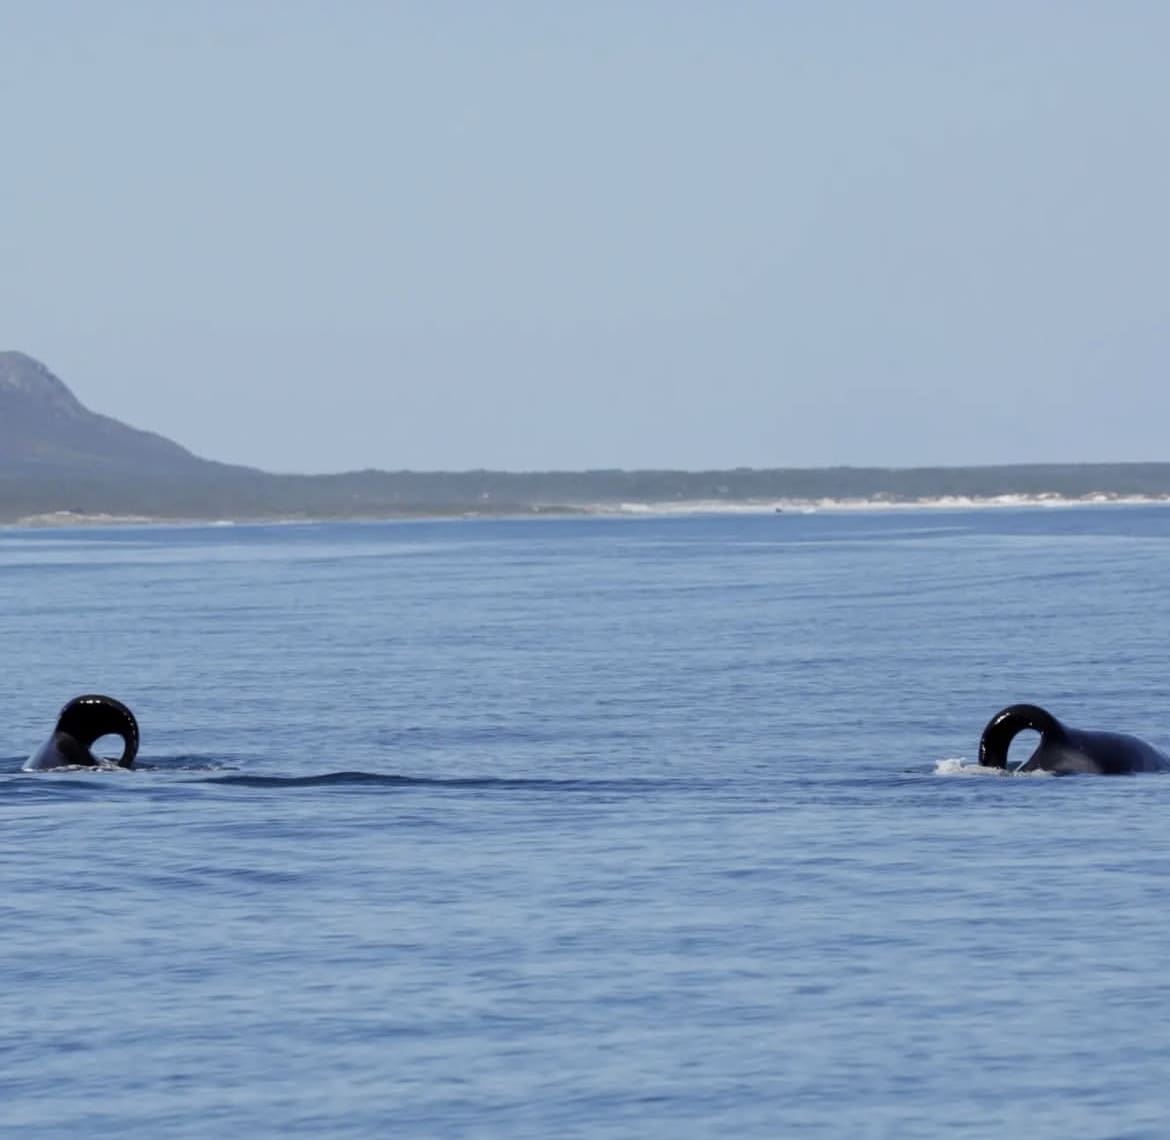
x=63 y=465
x=650 y=509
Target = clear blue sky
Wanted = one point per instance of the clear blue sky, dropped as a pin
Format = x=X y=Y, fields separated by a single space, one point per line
x=328 y=235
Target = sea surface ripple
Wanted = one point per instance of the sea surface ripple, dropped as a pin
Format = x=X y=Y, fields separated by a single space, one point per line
x=591 y=827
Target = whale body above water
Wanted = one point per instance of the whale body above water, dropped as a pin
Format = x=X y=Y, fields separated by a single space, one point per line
x=81 y=723
x=1063 y=750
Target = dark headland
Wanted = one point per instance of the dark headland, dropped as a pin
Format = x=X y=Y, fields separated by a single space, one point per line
x=61 y=461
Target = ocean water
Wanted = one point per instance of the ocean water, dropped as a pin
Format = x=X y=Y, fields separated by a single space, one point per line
x=653 y=827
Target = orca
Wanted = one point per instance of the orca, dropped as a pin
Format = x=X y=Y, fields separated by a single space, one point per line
x=1065 y=751
x=81 y=722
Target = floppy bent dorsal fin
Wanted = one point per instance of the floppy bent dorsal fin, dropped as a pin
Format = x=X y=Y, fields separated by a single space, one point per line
x=92 y=716
x=1003 y=728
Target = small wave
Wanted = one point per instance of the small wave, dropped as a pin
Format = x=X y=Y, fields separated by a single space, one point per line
x=875 y=503
x=387 y=780
x=230 y=771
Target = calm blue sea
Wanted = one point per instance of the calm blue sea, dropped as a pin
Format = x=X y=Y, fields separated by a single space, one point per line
x=596 y=828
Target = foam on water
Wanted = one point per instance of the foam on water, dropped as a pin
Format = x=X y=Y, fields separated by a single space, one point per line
x=879 y=505
x=959 y=767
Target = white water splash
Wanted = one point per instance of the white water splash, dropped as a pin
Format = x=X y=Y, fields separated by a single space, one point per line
x=811 y=506
x=959 y=767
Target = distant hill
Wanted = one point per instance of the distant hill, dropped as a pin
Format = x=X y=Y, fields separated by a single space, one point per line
x=58 y=456
x=45 y=429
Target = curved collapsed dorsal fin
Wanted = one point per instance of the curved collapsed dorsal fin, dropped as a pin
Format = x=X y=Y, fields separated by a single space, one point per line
x=91 y=716
x=1003 y=728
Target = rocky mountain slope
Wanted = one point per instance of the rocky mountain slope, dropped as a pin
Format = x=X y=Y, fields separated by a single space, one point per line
x=45 y=429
